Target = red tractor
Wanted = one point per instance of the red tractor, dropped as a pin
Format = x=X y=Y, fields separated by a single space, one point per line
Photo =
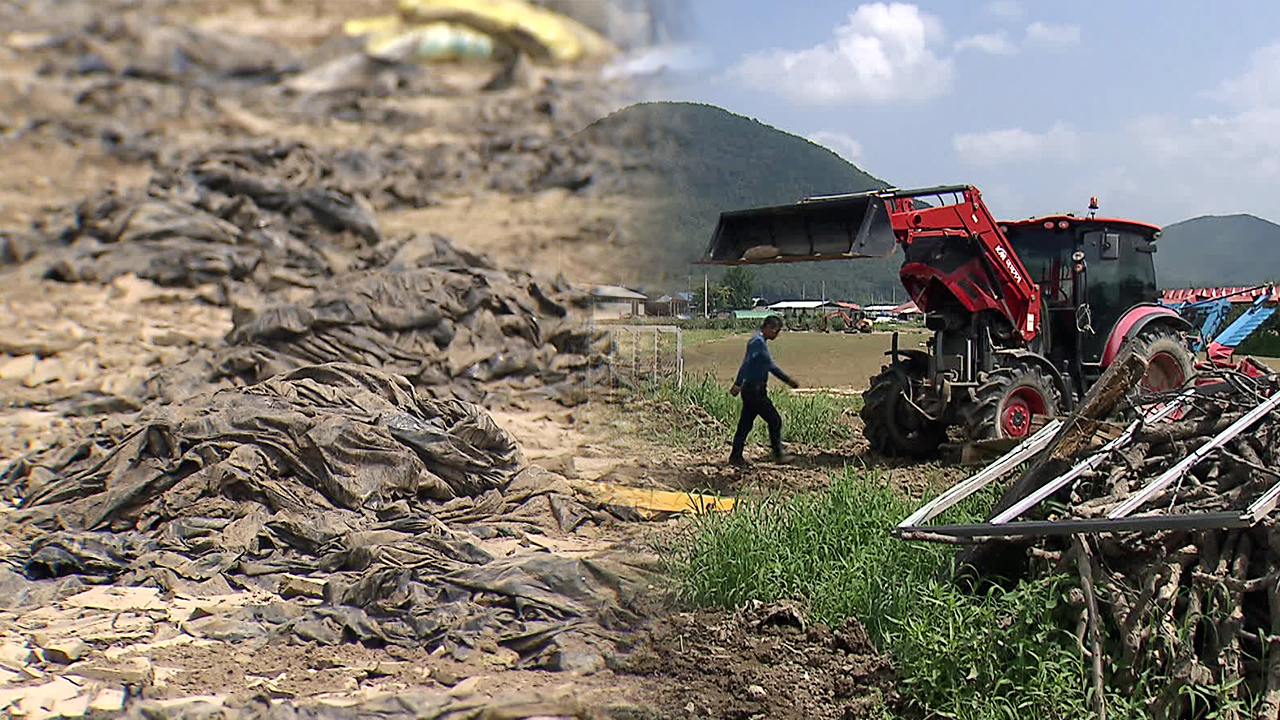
x=1025 y=315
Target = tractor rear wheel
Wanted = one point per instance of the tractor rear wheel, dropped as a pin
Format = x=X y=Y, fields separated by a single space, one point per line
x=891 y=424
x=1169 y=361
x=1005 y=403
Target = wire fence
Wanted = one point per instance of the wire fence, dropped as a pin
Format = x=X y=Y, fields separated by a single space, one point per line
x=639 y=354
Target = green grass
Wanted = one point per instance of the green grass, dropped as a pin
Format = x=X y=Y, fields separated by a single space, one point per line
x=808 y=418
x=993 y=654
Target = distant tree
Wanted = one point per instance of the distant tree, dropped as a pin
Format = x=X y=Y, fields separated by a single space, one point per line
x=720 y=297
x=741 y=285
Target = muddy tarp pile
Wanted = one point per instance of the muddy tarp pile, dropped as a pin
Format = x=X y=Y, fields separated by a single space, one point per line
x=258 y=219
x=333 y=482
x=456 y=330
x=270 y=213
x=1179 y=549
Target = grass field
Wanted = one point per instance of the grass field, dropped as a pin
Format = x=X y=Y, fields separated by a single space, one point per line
x=814 y=359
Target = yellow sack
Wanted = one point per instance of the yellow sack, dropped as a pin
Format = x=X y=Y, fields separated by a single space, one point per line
x=540 y=33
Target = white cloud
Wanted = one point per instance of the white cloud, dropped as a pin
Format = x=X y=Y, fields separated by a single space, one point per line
x=994 y=43
x=1004 y=8
x=1053 y=35
x=839 y=143
x=884 y=53
x=1017 y=145
x=1258 y=85
x=1168 y=168
x=1245 y=145
x=1160 y=168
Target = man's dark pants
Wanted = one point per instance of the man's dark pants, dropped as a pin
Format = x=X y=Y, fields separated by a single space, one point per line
x=756 y=403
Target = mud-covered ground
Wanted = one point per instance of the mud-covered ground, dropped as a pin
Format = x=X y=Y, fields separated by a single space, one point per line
x=178 y=174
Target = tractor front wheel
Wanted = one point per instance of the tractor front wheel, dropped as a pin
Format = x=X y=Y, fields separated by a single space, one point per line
x=1004 y=405
x=891 y=424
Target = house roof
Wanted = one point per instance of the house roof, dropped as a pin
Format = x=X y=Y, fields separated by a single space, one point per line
x=798 y=305
x=848 y=305
x=616 y=292
x=906 y=307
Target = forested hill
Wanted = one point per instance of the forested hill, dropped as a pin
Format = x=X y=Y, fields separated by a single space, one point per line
x=1218 y=250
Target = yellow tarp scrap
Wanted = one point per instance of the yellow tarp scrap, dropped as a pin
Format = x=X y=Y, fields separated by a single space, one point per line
x=648 y=502
x=540 y=33
x=379 y=25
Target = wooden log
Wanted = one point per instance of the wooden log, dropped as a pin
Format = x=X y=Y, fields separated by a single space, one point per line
x=1229 y=654
x=1269 y=708
x=1120 y=377
x=1165 y=433
x=1084 y=560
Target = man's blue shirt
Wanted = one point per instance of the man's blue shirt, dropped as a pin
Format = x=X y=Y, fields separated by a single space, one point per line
x=757 y=364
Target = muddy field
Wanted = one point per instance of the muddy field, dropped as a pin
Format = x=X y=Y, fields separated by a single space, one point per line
x=827 y=360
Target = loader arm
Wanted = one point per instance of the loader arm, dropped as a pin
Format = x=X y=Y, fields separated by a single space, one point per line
x=871 y=224
x=968 y=219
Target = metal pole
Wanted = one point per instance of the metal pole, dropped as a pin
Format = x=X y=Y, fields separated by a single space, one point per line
x=655 y=354
x=1175 y=472
x=706 y=304
x=679 y=357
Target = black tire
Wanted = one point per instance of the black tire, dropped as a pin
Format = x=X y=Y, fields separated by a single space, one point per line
x=1170 y=363
x=1006 y=401
x=891 y=425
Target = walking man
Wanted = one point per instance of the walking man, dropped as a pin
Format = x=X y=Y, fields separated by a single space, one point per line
x=752 y=379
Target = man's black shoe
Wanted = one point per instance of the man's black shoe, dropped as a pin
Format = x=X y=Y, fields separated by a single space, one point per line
x=738 y=461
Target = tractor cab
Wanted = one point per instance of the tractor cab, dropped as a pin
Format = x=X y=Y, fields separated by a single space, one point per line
x=1091 y=271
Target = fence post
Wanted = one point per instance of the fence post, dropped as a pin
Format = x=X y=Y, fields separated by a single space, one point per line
x=679 y=357
x=656 y=350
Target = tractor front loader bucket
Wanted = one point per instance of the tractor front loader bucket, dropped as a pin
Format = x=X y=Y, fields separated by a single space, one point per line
x=830 y=228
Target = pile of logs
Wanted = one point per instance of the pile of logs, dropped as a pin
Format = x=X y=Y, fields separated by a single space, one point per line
x=1194 y=609
x=1164 y=504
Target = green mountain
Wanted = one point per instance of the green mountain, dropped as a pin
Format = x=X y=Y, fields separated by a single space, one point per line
x=1218 y=250
x=699 y=160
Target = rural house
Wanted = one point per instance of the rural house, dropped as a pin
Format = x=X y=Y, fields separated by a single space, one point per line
x=614 y=301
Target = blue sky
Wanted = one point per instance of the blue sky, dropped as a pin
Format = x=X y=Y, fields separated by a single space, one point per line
x=1164 y=110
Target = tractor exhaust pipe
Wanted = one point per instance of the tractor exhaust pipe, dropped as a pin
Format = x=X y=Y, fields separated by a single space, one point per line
x=836 y=227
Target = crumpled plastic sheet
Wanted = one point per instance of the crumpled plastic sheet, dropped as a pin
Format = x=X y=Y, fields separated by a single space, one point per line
x=337 y=471
x=439 y=315
x=264 y=213
x=317 y=438
x=432 y=324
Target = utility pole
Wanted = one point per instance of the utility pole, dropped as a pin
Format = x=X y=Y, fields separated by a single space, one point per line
x=824 y=291
x=706 y=294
